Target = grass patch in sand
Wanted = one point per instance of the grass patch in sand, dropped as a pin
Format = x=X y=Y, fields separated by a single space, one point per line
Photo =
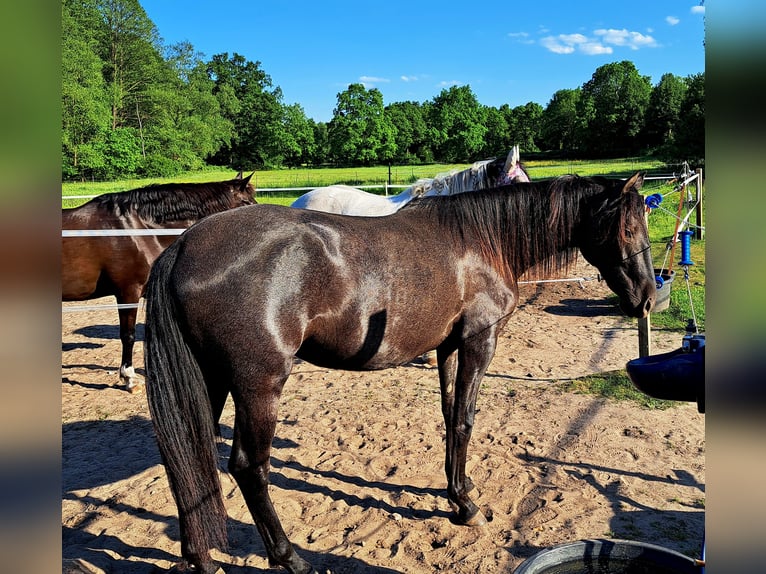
x=613 y=385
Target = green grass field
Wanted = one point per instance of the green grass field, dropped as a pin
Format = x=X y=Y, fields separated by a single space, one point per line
x=400 y=175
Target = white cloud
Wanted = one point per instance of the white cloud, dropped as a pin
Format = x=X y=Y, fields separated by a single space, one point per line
x=594 y=49
x=408 y=78
x=563 y=43
x=672 y=20
x=633 y=40
x=698 y=10
x=601 y=43
x=521 y=37
x=373 y=80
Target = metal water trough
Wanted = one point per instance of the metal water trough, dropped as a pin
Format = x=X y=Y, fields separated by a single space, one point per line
x=609 y=557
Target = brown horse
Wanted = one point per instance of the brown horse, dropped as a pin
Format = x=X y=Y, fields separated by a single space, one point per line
x=243 y=292
x=93 y=267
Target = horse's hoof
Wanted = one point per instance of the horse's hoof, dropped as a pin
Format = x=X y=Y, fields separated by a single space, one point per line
x=477 y=519
x=135 y=388
x=184 y=567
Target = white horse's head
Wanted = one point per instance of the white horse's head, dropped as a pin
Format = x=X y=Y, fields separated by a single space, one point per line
x=513 y=171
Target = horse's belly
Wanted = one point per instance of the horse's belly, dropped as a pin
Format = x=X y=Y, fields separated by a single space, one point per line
x=372 y=351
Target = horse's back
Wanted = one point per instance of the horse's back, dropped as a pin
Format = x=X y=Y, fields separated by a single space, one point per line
x=345 y=200
x=95 y=266
x=337 y=291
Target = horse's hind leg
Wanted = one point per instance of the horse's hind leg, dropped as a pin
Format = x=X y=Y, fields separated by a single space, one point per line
x=254 y=426
x=128 y=375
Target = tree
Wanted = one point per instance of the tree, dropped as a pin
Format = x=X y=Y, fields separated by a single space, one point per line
x=663 y=111
x=689 y=142
x=528 y=131
x=248 y=99
x=411 y=132
x=497 y=142
x=131 y=51
x=298 y=145
x=457 y=122
x=612 y=105
x=184 y=124
x=559 y=121
x=84 y=101
x=321 y=150
x=359 y=132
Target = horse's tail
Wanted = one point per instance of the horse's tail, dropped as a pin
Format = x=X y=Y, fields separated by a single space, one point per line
x=182 y=415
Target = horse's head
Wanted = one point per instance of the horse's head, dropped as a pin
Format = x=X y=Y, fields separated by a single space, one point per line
x=510 y=170
x=242 y=192
x=614 y=237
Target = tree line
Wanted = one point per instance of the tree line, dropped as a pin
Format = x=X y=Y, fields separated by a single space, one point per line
x=132 y=106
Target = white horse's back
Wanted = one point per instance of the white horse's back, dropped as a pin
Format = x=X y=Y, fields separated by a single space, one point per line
x=348 y=200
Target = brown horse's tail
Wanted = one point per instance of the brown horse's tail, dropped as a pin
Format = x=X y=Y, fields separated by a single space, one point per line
x=182 y=416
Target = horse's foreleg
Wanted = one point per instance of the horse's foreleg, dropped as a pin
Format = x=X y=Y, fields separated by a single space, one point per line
x=128 y=375
x=473 y=360
x=254 y=427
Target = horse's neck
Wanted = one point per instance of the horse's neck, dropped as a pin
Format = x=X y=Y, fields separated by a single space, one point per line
x=473 y=178
x=401 y=199
x=528 y=247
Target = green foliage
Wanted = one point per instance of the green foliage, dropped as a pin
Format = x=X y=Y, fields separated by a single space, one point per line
x=689 y=142
x=613 y=103
x=664 y=111
x=360 y=133
x=457 y=121
x=560 y=123
x=162 y=110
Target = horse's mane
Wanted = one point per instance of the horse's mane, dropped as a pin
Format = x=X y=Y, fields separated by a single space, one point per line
x=527 y=228
x=455 y=181
x=166 y=202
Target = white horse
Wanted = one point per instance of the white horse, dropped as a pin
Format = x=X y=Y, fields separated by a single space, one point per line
x=349 y=200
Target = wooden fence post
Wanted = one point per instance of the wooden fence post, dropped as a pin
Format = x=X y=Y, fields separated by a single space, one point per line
x=645 y=324
x=645 y=336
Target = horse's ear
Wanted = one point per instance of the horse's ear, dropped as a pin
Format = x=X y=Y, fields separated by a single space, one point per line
x=244 y=182
x=239 y=175
x=634 y=183
x=512 y=159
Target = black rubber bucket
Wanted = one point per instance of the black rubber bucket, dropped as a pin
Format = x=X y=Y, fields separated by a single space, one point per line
x=675 y=376
x=662 y=299
x=609 y=557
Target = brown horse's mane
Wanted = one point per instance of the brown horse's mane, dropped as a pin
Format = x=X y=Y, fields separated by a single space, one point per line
x=166 y=202
x=528 y=228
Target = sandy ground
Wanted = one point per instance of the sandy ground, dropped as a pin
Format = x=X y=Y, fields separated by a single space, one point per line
x=357 y=463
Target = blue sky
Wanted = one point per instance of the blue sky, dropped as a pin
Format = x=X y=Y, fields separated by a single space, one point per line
x=507 y=52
